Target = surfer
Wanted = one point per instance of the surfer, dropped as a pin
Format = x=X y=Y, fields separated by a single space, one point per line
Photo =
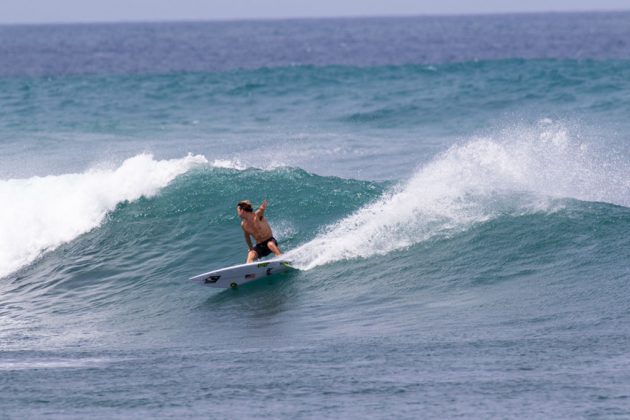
x=255 y=224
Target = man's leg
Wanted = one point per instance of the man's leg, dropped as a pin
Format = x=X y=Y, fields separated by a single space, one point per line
x=252 y=256
x=274 y=248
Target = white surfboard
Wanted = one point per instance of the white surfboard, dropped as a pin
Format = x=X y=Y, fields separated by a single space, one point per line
x=241 y=274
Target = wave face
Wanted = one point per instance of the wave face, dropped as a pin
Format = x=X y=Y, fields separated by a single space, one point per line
x=454 y=191
x=469 y=192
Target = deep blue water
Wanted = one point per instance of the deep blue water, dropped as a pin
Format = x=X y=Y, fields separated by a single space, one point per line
x=454 y=190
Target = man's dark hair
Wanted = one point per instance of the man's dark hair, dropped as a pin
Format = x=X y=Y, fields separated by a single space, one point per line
x=245 y=205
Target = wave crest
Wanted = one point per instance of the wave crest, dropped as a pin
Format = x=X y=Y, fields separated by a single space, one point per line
x=41 y=213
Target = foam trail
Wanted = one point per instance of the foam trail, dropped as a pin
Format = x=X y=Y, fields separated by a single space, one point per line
x=518 y=170
x=40 y=213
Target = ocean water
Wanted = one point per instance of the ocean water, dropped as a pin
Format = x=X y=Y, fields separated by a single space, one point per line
x=454 y=190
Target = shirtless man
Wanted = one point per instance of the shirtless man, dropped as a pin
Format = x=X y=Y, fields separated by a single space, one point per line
x=256 y=225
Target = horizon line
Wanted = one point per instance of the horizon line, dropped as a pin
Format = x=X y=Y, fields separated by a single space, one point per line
x=300 y=18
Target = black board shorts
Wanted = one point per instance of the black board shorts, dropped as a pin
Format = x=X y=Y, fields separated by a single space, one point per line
x=262 y=249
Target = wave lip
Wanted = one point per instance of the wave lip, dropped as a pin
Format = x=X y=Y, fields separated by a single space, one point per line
x=42 y=213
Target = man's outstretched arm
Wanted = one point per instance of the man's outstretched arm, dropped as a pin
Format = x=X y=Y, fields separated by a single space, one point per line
x=261 y=210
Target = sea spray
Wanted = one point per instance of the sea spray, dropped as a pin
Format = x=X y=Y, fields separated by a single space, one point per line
x=516 y=170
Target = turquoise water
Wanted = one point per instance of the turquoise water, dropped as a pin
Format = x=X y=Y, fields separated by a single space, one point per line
x=460 y=224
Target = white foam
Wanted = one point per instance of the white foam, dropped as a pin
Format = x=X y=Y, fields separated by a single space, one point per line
x=40 y=213
x=31 y=364
x=516 y=170
x=241 y=165
x=229 y=164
